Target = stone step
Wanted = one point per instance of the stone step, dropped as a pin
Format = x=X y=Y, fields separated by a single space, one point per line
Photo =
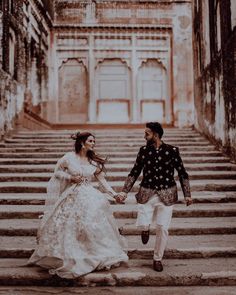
x=128 y=290
x=40 y=154
x=108 y=146
x=37 y=160
x=175 y=140
x=196 y=185
x=39 y=198
x=127 y=211
x=28 y=168
x=179 y=226
x=206 y=174
x=115 y=176
x=180 y=210
x=206 y=230
x=116 y=129
x=107 y=135
x=187 y=226
x=101 y=150
x=132 y=134
x=177 y=272
x=181 y=247
x=104 y=133
x=185 y=145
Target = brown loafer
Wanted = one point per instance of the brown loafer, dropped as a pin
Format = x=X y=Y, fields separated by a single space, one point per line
x=157 y=266
x=145 y=236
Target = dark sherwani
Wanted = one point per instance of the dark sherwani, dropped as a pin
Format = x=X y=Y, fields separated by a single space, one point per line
x=158 y=173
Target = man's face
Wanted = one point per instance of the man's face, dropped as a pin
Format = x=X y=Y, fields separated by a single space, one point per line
x=149 y=136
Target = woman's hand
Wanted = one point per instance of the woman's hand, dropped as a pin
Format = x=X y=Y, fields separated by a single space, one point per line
x=76 y=178
x=120 y=198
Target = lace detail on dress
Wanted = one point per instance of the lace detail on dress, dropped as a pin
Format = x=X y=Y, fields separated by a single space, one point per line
x=79 y=234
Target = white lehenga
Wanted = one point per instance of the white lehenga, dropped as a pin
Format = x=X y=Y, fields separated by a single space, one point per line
x=78 y=233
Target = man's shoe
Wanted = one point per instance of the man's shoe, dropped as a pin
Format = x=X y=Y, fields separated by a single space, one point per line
x=157 y=266
x=145 y=236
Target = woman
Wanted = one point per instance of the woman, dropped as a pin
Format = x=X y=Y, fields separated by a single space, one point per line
x=78 y=233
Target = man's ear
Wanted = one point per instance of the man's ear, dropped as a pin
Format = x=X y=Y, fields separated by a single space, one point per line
x=156 y=135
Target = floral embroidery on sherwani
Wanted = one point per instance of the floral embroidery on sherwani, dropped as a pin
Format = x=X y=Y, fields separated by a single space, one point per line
x=158 y=167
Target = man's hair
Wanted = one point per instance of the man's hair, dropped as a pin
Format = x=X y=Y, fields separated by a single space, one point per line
x=155 y=127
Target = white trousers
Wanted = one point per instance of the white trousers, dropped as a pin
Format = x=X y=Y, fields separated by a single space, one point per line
x=154 y=211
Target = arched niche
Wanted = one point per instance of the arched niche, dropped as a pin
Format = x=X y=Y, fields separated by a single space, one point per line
x=152 y=90
x=72 y=91
x=144 y=61
x=112 y=90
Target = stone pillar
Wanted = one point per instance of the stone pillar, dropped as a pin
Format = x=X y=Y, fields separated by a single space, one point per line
x=91 y=70
x=183 y=67
x=34 y=82
x=52 y=105
x=135 y=107
x=1 y=36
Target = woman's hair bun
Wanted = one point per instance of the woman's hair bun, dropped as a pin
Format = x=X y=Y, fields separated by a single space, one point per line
x=75 y=135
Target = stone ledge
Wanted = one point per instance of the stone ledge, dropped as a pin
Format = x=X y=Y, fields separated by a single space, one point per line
x=188 y=272
x=130 y=290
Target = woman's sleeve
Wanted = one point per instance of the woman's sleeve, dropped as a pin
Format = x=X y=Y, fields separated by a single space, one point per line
x=108 y=189
x=61 y=169
x=55 y=187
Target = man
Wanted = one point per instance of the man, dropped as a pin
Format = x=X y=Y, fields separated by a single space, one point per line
x=158 y=191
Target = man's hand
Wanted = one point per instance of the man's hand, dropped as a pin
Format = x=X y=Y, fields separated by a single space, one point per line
x=188 y=201
x=120 y=198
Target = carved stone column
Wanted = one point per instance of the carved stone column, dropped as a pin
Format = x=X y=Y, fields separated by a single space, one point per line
x=135 y=104
x=92 y=99
x=1 y=36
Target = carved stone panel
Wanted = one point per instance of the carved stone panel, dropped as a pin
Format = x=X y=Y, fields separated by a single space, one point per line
x=152 y=92
x=113 y=92
x=73 y=96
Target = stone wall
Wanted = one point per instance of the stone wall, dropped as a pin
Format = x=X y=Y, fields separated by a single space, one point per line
x=214 y=42
x=147 y=42
x=24 y=59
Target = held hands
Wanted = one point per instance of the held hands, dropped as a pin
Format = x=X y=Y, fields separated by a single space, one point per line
x=188 y=201
x=120 y=198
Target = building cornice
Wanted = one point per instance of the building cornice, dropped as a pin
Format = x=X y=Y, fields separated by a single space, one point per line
x=110 y=26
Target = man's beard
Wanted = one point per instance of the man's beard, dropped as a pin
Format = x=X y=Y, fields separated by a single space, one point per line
x=150 y=142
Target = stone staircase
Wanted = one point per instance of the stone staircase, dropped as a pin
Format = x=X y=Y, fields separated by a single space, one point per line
x=202 y=244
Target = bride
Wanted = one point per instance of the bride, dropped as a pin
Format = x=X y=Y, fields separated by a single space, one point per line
x=78 y=233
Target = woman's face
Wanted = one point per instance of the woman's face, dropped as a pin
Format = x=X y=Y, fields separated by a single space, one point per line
x=89 y=143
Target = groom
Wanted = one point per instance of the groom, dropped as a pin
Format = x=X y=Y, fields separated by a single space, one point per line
x=158 y=192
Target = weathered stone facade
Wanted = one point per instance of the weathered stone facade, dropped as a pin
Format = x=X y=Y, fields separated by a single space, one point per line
x=214 y=39
x=97 y=61
x=24 y=30
x=119 y=61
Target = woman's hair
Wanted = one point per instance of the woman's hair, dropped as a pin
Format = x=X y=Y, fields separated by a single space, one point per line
x=80 y=138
